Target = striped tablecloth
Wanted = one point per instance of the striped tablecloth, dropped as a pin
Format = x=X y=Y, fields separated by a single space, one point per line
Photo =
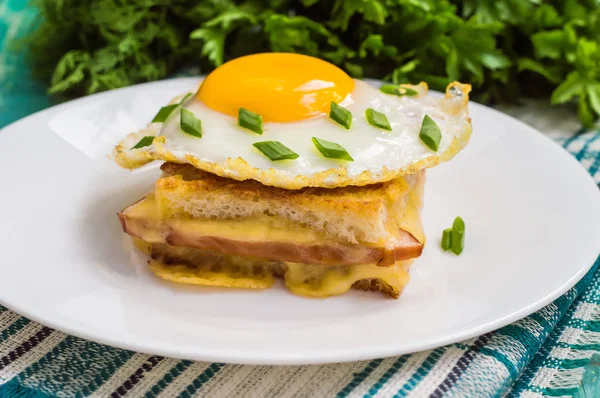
x=544 y=354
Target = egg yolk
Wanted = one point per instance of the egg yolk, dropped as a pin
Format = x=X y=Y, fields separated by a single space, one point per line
x=281 y=87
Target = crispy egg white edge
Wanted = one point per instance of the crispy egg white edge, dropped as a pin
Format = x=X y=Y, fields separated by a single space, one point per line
x=338 y=175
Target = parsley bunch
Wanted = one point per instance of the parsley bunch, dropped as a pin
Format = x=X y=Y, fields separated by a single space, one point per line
x=506 y=49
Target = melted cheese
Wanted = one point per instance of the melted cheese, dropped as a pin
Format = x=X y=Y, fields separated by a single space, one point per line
x=257 y=229
x=197 y=276
x=302 y=279
x=411 y=221
x=200 y=267
x=234 y=271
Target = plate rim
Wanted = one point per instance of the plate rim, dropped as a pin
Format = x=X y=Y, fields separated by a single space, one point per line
x=252 y=357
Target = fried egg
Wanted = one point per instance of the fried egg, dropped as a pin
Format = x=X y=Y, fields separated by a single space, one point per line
x=293 y=94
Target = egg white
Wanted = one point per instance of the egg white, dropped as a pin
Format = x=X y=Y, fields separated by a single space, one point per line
x=226 y=149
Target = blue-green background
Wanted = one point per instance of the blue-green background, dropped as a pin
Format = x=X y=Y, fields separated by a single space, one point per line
x=20 y=94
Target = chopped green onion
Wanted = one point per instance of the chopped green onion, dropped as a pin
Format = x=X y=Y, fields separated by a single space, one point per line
x=164 y=112
x=447 y=239
x=147 y=140
x=397 y=90
x=331 y=149
x=340 y=115
x=250 y=120
x=275 y=150
x=190 y=124
x=185 y=98
x=430 y=133
x=377 y=119
x=458 y=235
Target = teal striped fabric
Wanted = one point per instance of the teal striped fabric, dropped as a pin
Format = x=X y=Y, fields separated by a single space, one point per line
x=544 y=354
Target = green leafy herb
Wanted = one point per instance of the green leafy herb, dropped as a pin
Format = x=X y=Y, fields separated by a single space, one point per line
x=190 y=124
x=377 y=119
x=397 y=90
x=458 y=235
x=430 y=133
x=507 y=49
x=215 y=31
x=147 y=140
x=331 y=149
x=250 y=121
x=340 y=115
x=166 y=111
x=275 y=150
x=447 y=239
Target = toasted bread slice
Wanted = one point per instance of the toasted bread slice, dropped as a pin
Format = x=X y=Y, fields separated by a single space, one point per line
x=370 y=214
x=201 y=267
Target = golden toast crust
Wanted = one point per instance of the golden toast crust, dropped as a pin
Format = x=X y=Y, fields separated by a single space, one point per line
x=369 y=214
x=367 y=200
x=166 y=256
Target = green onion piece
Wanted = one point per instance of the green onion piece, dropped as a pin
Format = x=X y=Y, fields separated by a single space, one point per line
x=275 y=150
x=397 y=90
x=430 y=133
x=164 y=112
x=340 y=115
x=331 y=150
x=147 y=140
x=447 y=239
x=458 y=235
x=377 y=119
x=190 y=124
x=250 y=120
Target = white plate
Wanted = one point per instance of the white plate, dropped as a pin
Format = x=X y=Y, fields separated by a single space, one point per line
x=533 y=228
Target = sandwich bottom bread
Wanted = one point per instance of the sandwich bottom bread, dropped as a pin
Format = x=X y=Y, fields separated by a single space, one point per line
x=203 y=229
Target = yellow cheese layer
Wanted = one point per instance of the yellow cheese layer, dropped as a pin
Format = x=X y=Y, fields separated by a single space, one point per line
x=199 y=276
x=301 y=279
x=256 y=229
x=213 y=269
x=411 y=220
x=306 y=280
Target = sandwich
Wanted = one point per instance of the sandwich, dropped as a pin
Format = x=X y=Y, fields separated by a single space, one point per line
x=280 y=166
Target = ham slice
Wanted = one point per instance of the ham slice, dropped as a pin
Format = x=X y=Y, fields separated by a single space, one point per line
x=403 y=246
